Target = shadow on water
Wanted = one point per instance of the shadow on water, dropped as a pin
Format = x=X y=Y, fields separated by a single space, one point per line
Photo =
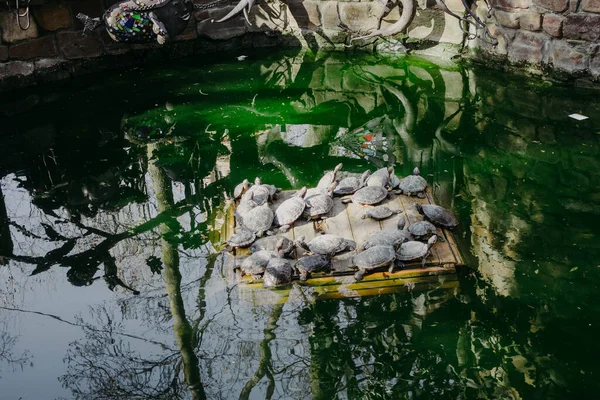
x=123 y=181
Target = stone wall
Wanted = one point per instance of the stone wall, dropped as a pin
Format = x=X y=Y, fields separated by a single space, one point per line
x=560 y=38
x=54 y=47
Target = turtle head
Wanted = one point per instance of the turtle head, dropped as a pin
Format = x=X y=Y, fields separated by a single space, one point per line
x=337 y=168
x=431 y=241
x=418 y=207
x=257 y=181
x=416 y=171
x=401 y=223
x=246 y=184
x=390 y=171
x=331 y=188
x=302 y=192
x=279 y=247
x=364 y=177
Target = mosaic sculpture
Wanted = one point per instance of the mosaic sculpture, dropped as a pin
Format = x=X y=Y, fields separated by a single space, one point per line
x=138 y=21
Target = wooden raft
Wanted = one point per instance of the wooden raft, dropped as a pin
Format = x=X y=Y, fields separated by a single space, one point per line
x=345 y=220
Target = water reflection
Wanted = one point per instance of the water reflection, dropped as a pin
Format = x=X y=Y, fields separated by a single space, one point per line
x=138 y=216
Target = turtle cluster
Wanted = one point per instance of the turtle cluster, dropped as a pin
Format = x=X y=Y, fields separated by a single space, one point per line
x=258 y=226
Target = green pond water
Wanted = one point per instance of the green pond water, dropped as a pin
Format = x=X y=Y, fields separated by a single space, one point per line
x=113 y=186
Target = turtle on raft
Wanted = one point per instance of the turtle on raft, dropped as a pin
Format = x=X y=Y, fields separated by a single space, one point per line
x=327 y=245
x=413 y=250
x=290 y=210
x=351 y=184
x=312 y=263
x=373 y=258
x=380 y=213
x=413 y=184
x=278 y=272
x=369 y=195
x=242 y=238
x=437 y=215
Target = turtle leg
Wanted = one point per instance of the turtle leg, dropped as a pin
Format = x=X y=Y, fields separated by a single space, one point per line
x=440 y=237
x=303 y=276
x=391 y=268
x=359 y=275
x=424 y=260
x=157 y=27
x=284 y=228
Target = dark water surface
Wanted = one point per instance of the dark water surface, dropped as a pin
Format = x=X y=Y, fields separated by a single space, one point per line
x=115 y=184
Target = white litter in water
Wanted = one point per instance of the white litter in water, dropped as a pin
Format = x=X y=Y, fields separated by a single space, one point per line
x=578 y=117
x=242 y=58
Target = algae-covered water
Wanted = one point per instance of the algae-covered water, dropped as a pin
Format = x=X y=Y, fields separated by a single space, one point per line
x=113 y=186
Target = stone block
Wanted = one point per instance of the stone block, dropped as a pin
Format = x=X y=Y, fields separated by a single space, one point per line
x=3 y=53
x=43 y=47
x=527 y=46
x=507 y=19
x=553 y=24
x=74 y=45
x=567 y=58
x=10 y=31
x=359 y=16
x=330 y=18
x=582 y=26
x=591 y=6
x=514 y=3
x=46 y=64
x=52 y=16
x=553 y=5
x=531 y=21
x=595 y=62
x=305 y=13
x=15 y=68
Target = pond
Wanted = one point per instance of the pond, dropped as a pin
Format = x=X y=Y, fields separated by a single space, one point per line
x=113 y=188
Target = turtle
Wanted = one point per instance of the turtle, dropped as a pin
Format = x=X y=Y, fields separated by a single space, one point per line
x=290 y=210
x=256 y=263
x=437 y=215
x=246 y=205
x=258 y=220
x=273 y=190
x=368 y=195
x=380 y=212
x=381 y=177
x=261 y=194
x=328 y=245
x=318 y=205
x=413 y=184
x=278 y=272
x=374 y=257
x=351 y=184
x=312 y=263
x=422 y=230
x=394 y=181
x=241 y=188
x=388 y=237
x=413 y=250
x=327 y=179
x=271 y=243
x=242 y=238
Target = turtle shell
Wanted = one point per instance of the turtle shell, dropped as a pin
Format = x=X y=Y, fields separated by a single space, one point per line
x=380 y=212
x=318 y=205
x=370 y=195
x=438 y=215
x=412 y=251
x=347 y=185
x=260 y=194
x=270 y=243
x=374 y=257
x=328 y=178
x=394 y=181
x=278 y=272
x=256 y=263
x=259 y=219
x=413 y=184
x=381 y=177
x=422 y=229
x=291 y=209
x=387 y=237
x=329 y=245
x=312 y=263
x=243 y=238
